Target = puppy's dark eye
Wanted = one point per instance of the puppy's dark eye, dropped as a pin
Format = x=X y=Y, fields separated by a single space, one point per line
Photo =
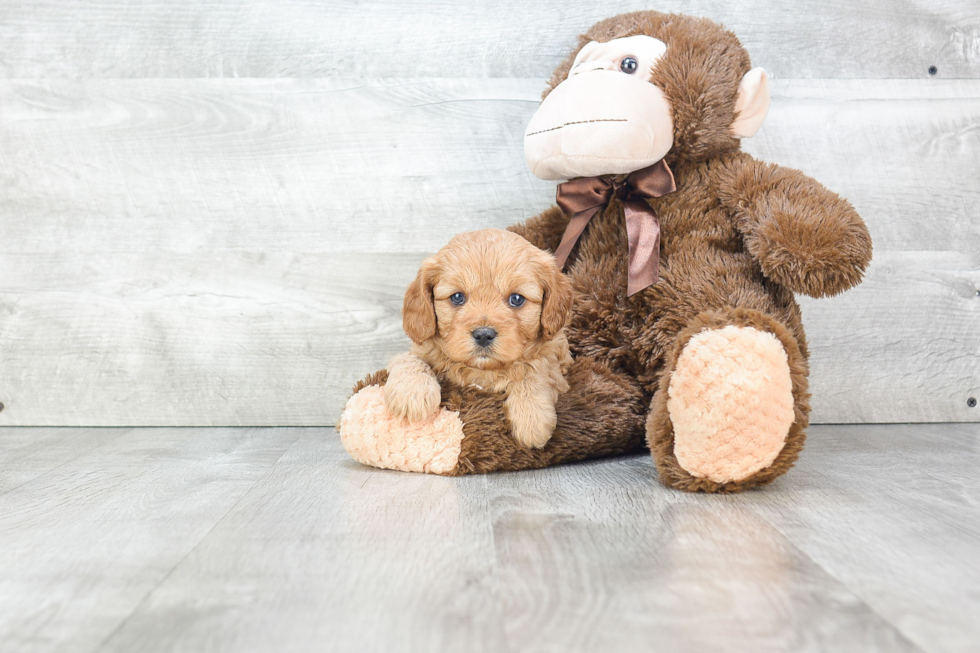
x=457 y=299
x=515 y=300
x=629 y=65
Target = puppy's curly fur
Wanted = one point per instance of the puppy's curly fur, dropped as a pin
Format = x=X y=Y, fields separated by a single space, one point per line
x=483 y=282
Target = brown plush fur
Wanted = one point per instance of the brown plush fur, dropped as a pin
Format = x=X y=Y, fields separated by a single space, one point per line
x=660 y=432
x=526 y=359
x=602 y=414
x=739 y=237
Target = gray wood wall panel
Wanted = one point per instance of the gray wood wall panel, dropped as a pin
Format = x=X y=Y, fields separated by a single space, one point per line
x=211 y=338
x=307 y=165
x=233 y=251
x=903 y=346
x=382 y=166
x=279 y=338
x=443 y=38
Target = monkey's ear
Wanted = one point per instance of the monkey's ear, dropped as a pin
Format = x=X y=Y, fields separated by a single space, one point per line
x=418 y=309
x=557 y=301
x=751 y=103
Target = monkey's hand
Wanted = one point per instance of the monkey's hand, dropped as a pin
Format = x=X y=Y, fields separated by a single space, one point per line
x=412 y=391
x=804 y=236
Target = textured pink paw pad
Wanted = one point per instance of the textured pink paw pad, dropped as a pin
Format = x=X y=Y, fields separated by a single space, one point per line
x=373 y=436
x=730 y=400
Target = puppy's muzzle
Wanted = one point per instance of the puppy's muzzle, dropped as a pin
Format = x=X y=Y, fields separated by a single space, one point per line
x=484 y=336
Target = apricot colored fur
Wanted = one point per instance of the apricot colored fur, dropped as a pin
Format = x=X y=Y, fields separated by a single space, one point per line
x=529 y=355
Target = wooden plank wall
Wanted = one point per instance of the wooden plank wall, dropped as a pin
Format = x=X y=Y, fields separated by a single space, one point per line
x=210 y=210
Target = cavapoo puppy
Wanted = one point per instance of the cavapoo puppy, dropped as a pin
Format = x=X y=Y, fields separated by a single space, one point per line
x=487 y=310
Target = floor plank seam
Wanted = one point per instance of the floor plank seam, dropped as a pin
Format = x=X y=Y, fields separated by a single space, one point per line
x=317 y=552
x=898 y=630
x=495 y=563
x=66 y=462
x=136 y=608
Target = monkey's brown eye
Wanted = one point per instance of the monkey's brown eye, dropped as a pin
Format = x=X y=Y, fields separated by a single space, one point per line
x=629 y=65
x=457 y=299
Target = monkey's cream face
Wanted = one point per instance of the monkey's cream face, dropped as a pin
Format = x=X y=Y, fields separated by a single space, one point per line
x=633 y=55
x=606 y=117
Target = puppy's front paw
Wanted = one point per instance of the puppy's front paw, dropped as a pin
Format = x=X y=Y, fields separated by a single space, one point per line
x=414 y=397
x=531 y=425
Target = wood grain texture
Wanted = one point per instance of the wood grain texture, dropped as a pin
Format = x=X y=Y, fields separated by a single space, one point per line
x=28 y=453
x=359 y=560
x=82 y=545
x=233 y=252
x=506 y=38
x=841 y=510
x=215 y=338
x=399 y=166
x=278 y=339
x=901 y=347
x=295 y=165
x=216 y=540
x=598 y=558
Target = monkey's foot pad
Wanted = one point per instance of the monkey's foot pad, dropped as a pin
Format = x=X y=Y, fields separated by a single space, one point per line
x=731 y=403
x=373 y=436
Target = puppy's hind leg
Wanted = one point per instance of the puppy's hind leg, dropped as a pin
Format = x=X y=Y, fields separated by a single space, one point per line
x=530 y=407
x=412 y=390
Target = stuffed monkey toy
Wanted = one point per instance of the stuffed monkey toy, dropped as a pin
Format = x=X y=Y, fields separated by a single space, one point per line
x=684 y=254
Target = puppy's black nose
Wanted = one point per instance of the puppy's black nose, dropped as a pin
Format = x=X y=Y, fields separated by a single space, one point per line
x=484 y=336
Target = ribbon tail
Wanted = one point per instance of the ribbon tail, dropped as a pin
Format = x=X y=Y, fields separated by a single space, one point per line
x=576 y=225
x=654 y=181
x=643 y=233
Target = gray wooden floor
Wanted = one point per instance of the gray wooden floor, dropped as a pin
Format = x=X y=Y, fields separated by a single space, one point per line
x=273 y=540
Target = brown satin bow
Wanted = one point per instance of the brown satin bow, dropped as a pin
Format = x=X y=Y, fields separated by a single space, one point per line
x=582 y=198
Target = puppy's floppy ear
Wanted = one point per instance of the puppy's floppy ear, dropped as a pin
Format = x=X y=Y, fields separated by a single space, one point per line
x=557 y=300
x=418 y=309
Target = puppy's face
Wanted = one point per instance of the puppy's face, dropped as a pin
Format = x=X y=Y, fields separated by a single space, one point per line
x=489 y=296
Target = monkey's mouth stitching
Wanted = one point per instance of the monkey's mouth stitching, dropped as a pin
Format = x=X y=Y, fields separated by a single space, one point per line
x=578 y=122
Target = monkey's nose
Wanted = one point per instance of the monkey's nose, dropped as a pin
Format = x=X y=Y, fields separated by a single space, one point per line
x=484 y=336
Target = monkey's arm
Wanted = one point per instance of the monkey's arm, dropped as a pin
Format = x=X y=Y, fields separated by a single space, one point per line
x=804 y=236
x=544 y=230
